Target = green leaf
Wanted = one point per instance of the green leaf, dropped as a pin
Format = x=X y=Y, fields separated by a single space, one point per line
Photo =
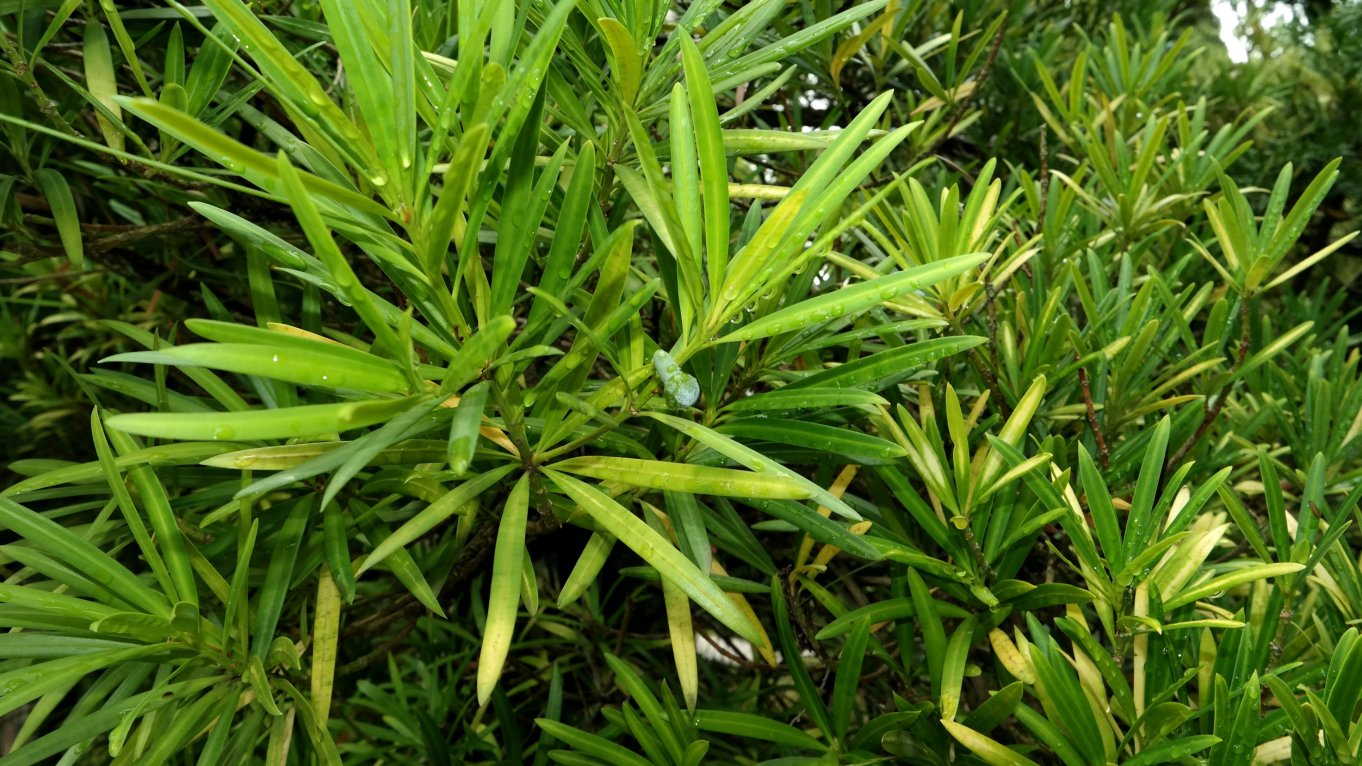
x=591 y=744
x=169 y=538
x=474 y=356
x=990 y=751
x=399 y=561
x=755 y=461
x=1103 y=513
x=791 y=400
x=57 y=193
x=953 y=668
x=504 y=599
x=101 y=80
x=257 y=167
x=317 y=366
x=627 y=69
x=888 y=610
x=77 y=552
x=269 y=601
x=681 y=477
x=1231 y=580
x=1172 y=751
x=660 y=554
x=371 y=87
x=846 y=688
x=309 y=420
x=25 y=684
x=819 y=527
x=846 y=301
x=854 y=446
x=879 y=371
x=713 y=163
x=996 y=709
x=310 y=219
x=809 y=693
x=752 y=726
x=588 y=565
x=465 y=427
x=448 y=505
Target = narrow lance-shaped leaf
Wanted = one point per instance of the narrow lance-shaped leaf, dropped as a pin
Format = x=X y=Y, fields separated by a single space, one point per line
x=23 y=685
x=504 y=598
x=325 y=633
x=367 y=447
x=448 y=505
x=57 y=193
x=685 y=175
x=156 y=504
x=679 y=626
x=101 y=80
x=269 y=601
x=953 y=668
x=855 y=298
x=588 y=565
x=1230 y=580
x=310 y=219
x=257 y=167
x=713 y=163
x=794 y=661
x=304 y=366
x=682 y=477
x=989 y=750
x=1103 y=513
x=308 y=420
x=846 y=687
x=661 y=555
x=627 y=69
x=464 y=428
x=75 y=551
x=755 y=461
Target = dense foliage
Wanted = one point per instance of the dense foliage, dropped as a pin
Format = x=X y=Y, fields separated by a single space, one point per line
x=618 y=381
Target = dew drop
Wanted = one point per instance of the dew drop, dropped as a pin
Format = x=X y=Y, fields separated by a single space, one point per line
x=223 y=432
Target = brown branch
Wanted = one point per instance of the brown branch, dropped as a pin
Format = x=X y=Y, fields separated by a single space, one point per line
x=1092 y=415
x=1044 y=175
x=960 y=107
x=1214 y=411
x=378 y=652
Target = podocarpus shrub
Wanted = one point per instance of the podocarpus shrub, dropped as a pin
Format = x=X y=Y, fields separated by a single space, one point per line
x=1040 y=445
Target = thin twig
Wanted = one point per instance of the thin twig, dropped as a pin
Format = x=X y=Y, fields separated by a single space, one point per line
x=378 y=652
x=1214 y=411
x=983 y=78
x=1096 y=427
x=1044 y=174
